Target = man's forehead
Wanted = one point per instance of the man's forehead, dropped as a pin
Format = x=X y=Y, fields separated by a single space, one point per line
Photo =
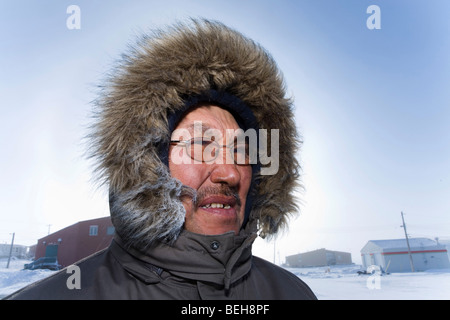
x=199 y=125
x=206 y=129
x=211 y=117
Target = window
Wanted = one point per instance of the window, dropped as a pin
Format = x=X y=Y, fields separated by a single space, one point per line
x=110 y=230
x=93 y=230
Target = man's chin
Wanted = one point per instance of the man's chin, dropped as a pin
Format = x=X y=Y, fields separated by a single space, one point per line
x=213 y=221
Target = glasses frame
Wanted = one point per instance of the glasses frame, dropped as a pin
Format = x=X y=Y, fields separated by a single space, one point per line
x=187 y=143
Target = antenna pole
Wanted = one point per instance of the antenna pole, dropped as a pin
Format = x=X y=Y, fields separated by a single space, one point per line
x=407 y=243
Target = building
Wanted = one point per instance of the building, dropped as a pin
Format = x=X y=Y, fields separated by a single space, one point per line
x=446 y=243
x=393 y=255
x=17 y=251
x=76 y=241
x=318 y=258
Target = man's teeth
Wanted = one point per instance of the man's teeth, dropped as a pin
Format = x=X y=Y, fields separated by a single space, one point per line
x=217 y=205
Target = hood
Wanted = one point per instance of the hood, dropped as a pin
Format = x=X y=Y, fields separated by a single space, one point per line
x=159 y=75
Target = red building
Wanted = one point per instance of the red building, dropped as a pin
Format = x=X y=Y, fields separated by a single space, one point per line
x=77 y=241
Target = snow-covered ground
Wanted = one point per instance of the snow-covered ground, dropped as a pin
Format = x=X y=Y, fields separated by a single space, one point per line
x=331 y=283
x=343 y=283
x=15 y=278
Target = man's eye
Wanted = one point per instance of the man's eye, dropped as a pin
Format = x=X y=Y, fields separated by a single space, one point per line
x=200 y=144
x=241 y=149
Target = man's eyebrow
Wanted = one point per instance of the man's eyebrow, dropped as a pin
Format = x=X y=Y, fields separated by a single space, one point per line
x=237 y=134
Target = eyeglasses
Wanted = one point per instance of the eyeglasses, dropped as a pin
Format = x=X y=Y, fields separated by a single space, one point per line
x=205 y=150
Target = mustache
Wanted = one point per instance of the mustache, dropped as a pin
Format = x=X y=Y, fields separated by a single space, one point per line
x=223 y=190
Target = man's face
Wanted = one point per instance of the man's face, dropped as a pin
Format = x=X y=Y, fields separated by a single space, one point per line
x=222 y=185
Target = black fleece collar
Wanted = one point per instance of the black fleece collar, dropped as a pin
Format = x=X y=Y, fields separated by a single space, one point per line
x=219 y=259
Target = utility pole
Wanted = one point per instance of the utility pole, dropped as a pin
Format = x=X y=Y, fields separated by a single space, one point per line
x=407 y=243
x=10 y=250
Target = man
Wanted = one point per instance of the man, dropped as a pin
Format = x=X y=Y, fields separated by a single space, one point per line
x=182 y=138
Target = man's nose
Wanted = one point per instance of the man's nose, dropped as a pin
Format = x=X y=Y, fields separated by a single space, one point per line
x=225 y=173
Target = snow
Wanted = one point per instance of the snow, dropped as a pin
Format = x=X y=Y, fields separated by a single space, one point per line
x=328 y=283
x=343 y=283
x=15 y=277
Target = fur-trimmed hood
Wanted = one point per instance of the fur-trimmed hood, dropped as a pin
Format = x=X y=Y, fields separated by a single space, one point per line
x=162 y=72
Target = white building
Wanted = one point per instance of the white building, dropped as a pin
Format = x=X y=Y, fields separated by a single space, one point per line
x=393 y=255
x=18 y=251
x=318 y=258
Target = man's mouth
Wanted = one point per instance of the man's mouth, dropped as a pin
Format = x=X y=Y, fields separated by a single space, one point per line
x=216 y=205
x=218 y=198
x=217 y=202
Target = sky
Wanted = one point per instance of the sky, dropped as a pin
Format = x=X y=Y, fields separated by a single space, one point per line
x=372 y=107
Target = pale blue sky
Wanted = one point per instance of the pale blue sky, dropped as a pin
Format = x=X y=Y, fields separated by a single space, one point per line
x=373 y=107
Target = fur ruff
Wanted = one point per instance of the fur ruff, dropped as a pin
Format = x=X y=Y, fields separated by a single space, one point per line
x=157 y=77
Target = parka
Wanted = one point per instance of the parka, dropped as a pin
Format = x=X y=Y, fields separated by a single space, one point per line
x=196 y=268
x=152 y=256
